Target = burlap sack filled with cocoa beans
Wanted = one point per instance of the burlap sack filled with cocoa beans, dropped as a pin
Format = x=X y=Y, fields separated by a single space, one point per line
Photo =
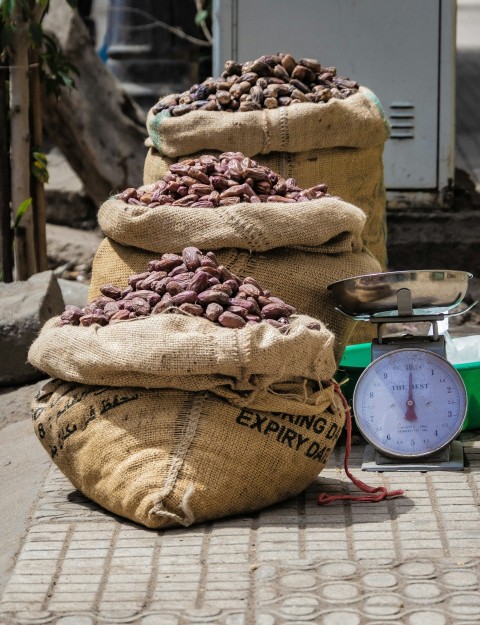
x=339 y=142
x=194 y=421
x=295 y=250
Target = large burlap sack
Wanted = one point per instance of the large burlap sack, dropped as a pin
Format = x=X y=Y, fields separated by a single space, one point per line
x=294 y=250
x=166 y=457
x=234 y=420
x=339 y=143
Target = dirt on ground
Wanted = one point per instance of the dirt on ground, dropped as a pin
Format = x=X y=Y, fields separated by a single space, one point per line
x=15 y=402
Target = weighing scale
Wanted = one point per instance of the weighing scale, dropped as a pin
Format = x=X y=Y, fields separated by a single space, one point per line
x=409 y=403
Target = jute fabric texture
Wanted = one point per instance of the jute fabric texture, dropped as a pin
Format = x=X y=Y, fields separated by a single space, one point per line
x=233 y=421
x=294 y=250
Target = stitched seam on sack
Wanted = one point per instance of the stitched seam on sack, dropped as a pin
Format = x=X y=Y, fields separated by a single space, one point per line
x=254 y=238
x=284 y=133
x=266 y=132
x=191 y=409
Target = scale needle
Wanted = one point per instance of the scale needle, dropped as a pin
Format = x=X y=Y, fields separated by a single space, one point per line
x=410 y=414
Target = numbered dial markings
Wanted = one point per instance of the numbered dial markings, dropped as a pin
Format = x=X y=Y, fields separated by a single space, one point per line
x=410 y=403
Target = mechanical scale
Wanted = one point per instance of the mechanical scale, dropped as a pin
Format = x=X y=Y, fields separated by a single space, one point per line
x=409 y=403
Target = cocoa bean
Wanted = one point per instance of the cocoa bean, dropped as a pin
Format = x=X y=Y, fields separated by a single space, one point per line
x=237 y=310
x=184 y=297
x=249 y=289
x=199 y=281
x=192 y=309
x=289 y=63
x=196 y=285
x=173 y=288
x=191 y=258
x=120 y=315
x=231 y=320
x=132 y=280
x=213 y=311
x=217 y=297
x=275 y=311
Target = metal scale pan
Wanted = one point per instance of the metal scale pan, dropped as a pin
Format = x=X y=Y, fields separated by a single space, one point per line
x=429 y=292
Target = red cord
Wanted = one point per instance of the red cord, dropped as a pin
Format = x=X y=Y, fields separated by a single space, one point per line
x=377 y=493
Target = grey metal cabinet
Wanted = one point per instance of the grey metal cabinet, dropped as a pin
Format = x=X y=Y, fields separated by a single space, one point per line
x=403 y=50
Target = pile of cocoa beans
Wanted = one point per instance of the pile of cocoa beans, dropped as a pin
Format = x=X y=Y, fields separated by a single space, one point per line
x=269 y=82
x=208 y=182
x=192 y=283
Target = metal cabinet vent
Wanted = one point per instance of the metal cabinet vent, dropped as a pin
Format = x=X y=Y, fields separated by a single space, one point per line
x=402 y=120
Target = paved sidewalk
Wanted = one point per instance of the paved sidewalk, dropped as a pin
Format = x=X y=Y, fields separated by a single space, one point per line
x=414 y=560
x=411 y=560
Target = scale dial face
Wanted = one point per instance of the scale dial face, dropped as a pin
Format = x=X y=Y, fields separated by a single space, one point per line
x=410 y=403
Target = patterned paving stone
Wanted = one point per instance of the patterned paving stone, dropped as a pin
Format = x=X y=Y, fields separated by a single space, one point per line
x=409 y=561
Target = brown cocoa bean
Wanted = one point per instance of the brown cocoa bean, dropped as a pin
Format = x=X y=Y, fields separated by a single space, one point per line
x=199 y=282
x=137 y=305
x=132 y=280
x=233 y=284
x=249 y=289
x=225 y=288
x=213 y=311
x=250 y=280
x=185 y=297
x=238 y=310
x=191 y=258
x=173 y=288
x=275 y=311
x=192 y=309
x=231 y=320
x=111 y=291
x=277 y=300
x=120 y=315
x=217 y=297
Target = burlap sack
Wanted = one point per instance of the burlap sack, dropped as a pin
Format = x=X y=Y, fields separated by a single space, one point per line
x=236 y=420
x=339 y=143
x=183 y=352
x=295 y=250
x=166 y=457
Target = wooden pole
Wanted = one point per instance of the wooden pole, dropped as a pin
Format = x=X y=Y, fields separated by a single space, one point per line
x=37 y=186
x=24 y=252
x=6 y=240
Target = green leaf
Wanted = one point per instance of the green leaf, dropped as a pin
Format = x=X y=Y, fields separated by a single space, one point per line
x=201 y=16
x=39 y=166
x=21 y=210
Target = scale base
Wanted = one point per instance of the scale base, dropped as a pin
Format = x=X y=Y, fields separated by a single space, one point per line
x=450 y=459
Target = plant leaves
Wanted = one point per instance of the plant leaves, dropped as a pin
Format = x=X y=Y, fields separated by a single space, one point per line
x=21 y=210
x=201 y=16
x=39 y=166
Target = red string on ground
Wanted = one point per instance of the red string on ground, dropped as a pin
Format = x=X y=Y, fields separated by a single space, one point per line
x=374 y=493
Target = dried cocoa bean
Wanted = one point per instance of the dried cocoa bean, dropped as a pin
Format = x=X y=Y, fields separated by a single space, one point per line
x=213 y=311
x=217 y=297
x=111 y=291
x=196 y=285
x=231 y=320
x=275 y=311
x=184 y=297
x=120 y=315
x=192 y=309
